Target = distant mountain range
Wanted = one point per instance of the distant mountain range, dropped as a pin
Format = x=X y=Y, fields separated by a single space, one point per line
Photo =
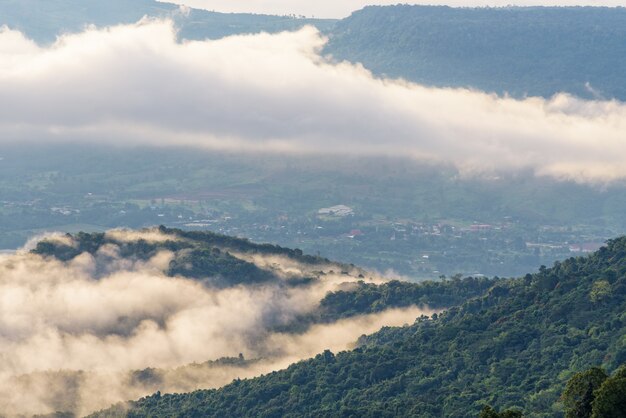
x=536 y=51
x=43 y=20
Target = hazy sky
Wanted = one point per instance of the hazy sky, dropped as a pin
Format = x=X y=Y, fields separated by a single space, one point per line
x=343 y=8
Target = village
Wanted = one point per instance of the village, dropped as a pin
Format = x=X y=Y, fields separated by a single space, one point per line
x=414 y=248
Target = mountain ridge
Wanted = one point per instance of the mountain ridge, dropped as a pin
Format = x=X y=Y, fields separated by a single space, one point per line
x=514 y=347
x=516 y=51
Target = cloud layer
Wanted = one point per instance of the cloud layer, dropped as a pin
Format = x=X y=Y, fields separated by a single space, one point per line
x=135 y=84
x=71 y=334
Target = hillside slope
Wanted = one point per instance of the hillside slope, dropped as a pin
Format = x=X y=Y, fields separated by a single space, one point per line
x=224 y=261
x=126 y=313
x=532 y=51
x=514 y=347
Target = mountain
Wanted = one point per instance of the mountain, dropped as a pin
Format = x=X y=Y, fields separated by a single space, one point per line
x=205 y=256
x=44 y=20
x=534 y=51
x=513 y=347
x=416 y=219
x=224 y=261
x=127 y=313
x=521 y=51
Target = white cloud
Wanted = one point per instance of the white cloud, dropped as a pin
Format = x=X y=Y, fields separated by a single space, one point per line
x=64 y=326
x=135 y=84
x=343 y=8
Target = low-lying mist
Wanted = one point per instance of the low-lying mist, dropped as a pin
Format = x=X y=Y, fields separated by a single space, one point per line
x=73 y=340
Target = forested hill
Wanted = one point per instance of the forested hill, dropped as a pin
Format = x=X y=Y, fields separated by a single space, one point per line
x=254 y=308
x=223 y=261
x=522 y=51
x=536 y=51
x=217 y=260
x=515 y=347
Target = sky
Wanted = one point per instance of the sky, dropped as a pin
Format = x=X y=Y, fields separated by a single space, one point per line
x=343 y=8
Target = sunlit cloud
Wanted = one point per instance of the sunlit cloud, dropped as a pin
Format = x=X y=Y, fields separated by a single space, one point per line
x=135 y=84
x=71 y=327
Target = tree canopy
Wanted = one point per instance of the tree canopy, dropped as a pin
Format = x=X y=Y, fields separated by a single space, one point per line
x=515 y=348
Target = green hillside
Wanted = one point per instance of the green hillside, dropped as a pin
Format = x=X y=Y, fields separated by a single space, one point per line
x=514 y=347
x=223 y=261
x=537 y=51
x=203 y=256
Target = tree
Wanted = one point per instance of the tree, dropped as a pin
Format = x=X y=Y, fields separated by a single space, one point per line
x=583 y=408
x=509 y=413
x=610 y=398
x=600 y=291
x=489 y=412
x=579 y=392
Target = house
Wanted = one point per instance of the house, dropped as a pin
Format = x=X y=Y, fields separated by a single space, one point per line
x=339 y=210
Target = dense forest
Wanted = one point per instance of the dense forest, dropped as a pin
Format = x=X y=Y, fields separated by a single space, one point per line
x=536 y=51
x=594 y=394
x=203 y=256
x=246 y=308
x=513 y=348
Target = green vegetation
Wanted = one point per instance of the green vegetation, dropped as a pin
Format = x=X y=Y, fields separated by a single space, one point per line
x=243 y=245
x=536 y=51
x=593 y=394
x=513 y=348
x=370 y=298
x=217 y=262
x=489 y=412
x=578 y=394
x=610 y=399
x=200 y=255
x=206 y=256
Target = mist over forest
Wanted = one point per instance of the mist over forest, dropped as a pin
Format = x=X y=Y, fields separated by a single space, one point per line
x=410 y=211
x=430 y=191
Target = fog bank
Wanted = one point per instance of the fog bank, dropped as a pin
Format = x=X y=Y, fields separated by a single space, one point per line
x=135 y=84
x=74 y=336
